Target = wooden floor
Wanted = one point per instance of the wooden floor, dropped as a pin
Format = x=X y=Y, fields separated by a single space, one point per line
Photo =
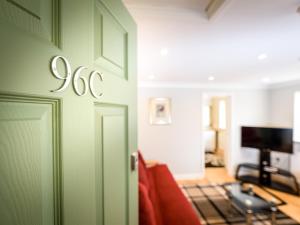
x=219 y=176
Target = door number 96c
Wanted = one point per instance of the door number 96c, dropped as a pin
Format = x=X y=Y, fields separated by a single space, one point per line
x=76 y=77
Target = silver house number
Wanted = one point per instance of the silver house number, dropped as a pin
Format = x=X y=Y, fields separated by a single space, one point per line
x=76 y=78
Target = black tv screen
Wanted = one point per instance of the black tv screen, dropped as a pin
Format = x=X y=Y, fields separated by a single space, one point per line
x=275 y=139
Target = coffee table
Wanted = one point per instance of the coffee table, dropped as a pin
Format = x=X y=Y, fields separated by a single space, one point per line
x=249 y=203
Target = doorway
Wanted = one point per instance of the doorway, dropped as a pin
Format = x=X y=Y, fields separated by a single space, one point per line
x=216 y=129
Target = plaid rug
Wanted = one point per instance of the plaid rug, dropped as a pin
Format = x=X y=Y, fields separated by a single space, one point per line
x=213 y=208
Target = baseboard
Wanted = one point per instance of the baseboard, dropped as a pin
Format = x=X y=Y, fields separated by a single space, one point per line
x=190 y=176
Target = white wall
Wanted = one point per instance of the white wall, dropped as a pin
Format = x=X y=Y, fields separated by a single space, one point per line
x=281 y=114
x=250 y=108
x=180 y=144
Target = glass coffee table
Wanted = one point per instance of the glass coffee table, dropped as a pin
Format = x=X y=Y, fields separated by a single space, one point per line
x=244 y=198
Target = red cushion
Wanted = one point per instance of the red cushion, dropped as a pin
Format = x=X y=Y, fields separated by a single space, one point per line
x=174 y=207
x=154 y=199
x=146 y=211
x=168 y=204
x=146 y=179
x=143 y=174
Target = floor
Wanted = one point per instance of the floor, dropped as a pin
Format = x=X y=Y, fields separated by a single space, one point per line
x=219 y=175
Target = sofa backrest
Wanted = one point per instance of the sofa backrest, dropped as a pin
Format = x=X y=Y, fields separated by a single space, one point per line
x=143 y=174
x=145 y=178
x=146 y=210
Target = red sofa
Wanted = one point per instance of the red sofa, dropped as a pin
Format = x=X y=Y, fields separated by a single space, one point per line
x=161 y=202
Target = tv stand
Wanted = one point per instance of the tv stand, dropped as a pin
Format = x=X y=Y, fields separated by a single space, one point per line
x=264 y=161
x=267 y=174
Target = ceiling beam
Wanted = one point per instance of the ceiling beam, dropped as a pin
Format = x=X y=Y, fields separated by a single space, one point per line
x=213 y=7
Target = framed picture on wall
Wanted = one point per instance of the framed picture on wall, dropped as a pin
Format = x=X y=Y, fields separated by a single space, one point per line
x=160 y=111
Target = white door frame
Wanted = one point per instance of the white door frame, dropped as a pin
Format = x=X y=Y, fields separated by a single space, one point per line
x=229 y=147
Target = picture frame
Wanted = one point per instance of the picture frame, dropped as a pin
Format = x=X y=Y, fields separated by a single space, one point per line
x=160 y=111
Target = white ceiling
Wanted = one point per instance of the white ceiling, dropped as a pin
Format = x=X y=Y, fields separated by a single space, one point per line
x=226 y=47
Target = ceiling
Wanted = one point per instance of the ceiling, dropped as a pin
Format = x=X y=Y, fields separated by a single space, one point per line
x=225 y=47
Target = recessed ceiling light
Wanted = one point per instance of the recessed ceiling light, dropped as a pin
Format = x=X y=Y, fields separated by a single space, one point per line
x=151 y=77
x=211 y=78
x=164 y=52
x=262 y=56
x=266 y=79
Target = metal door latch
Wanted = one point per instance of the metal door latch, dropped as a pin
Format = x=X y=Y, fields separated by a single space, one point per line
x=134 y=161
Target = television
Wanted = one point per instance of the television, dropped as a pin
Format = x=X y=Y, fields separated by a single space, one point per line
x=263 y=138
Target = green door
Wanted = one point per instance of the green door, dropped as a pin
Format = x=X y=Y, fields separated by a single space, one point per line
x=67 y=113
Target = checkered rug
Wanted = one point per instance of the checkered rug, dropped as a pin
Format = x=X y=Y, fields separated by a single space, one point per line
x=213 y=207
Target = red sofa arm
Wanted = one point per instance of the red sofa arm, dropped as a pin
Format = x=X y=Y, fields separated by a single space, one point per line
x=174 y=207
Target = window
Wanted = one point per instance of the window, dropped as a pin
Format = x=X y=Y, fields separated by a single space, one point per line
x=297 y=117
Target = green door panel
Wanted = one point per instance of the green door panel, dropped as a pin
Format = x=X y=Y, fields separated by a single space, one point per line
x=91 y=183
x=111 y=41
x=112 y=151
x=39 y=17
x=29 y=162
